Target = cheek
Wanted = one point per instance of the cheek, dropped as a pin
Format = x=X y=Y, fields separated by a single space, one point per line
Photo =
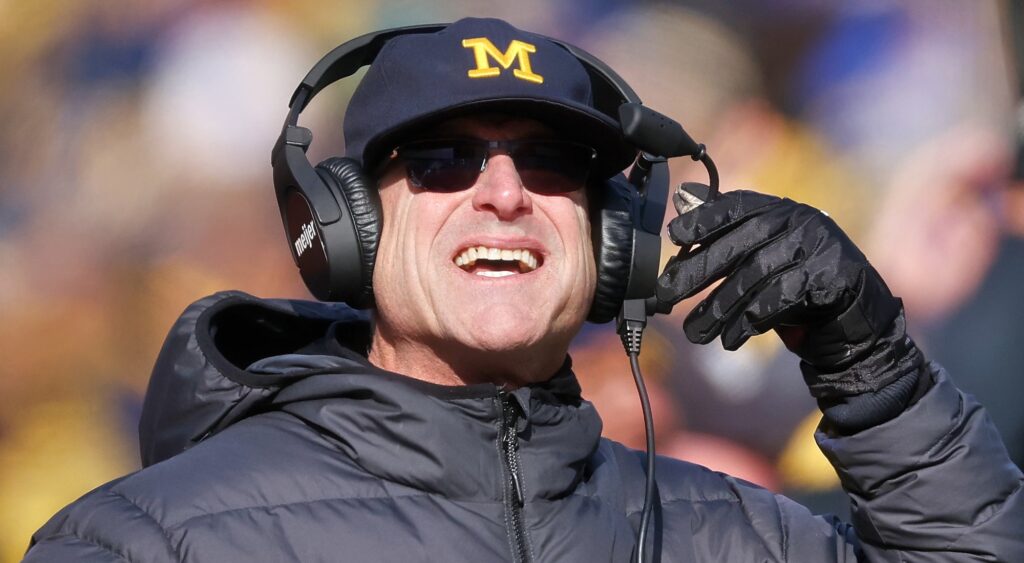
x=387 y=276
x=579 y=247
x=410 y=224
x=587 y=251
x=390 y=221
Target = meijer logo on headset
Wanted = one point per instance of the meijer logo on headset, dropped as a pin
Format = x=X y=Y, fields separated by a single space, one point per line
x=305 y=240
x=484 y=51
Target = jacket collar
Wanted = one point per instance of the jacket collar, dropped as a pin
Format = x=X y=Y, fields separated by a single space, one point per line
x=214 y=371
x=442 y=439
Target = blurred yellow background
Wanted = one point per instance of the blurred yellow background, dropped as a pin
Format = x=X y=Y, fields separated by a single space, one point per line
x=135 y=178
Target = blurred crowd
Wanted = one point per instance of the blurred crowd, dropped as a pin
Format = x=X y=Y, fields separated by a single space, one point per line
x=135 y=178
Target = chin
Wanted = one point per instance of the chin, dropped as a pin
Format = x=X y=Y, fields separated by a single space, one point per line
x=502 y=343
x=508 y=329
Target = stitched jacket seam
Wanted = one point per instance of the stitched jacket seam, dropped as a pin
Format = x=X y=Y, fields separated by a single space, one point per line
x=186 y=521
x=686 y=500
x=109 y=548
x=156 y=523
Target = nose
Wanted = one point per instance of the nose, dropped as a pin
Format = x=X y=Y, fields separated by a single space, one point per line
x=500 y=190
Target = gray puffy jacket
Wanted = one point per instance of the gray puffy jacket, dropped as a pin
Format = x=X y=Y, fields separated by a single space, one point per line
x=253 y=452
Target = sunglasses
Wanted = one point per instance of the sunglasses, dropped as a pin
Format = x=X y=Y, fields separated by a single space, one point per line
x=545 y=166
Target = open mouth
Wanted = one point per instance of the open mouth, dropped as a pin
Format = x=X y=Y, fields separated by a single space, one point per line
x=497 y=262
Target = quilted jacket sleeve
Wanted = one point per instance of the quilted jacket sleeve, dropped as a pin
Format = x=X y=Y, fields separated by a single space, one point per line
x=103 y=526
x=72 y=548
x=934 y=484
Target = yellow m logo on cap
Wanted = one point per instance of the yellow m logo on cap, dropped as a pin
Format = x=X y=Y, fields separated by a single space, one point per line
x=484 y=51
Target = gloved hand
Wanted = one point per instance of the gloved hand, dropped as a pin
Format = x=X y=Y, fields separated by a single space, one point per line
x=789 y=267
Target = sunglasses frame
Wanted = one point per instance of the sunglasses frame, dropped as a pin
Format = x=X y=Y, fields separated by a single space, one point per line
x=486 y=148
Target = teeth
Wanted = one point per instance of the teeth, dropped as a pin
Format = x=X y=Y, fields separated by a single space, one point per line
x=525 y=257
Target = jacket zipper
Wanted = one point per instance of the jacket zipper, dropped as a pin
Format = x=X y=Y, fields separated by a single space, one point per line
x=514 y=499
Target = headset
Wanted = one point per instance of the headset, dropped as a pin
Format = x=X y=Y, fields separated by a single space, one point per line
x=332 y=215
x=331 y=211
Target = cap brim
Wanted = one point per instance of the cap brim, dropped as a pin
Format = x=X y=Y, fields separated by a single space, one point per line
x=574 y=121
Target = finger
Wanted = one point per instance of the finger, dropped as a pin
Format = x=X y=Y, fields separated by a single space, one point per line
x=689 y=274
x=763 y=314
x=738 y=311
x=710 y=219
x=748 y=286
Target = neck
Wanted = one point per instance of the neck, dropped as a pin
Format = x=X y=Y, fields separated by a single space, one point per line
x=449 y=364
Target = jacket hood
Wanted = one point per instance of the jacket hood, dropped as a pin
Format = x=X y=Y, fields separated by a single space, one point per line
x=200 y=384
x=231 y=356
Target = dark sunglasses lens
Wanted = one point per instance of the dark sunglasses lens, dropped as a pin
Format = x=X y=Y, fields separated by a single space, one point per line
x=545 y=167
x=553 y=167
x=443 y=168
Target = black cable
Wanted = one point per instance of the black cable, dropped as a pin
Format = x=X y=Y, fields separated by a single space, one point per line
x=645 y=514
x=703 y=157
x=632 y=321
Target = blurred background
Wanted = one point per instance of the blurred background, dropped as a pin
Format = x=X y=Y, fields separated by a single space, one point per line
x=135 y=178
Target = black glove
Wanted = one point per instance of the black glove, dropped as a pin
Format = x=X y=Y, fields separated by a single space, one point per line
x=789 y=267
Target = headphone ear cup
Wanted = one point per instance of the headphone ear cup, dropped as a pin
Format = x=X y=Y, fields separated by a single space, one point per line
x=358 y=195
x=613 y=246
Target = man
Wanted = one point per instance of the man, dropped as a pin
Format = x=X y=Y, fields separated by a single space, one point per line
x=452 y=428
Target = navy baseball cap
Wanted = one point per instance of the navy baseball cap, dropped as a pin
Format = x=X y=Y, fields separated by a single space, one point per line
x=477 y=65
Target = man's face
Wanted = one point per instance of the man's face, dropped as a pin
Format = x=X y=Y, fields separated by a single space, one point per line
x=424 y=292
